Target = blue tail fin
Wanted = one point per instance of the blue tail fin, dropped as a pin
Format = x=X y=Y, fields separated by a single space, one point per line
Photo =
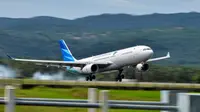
x=67 y=55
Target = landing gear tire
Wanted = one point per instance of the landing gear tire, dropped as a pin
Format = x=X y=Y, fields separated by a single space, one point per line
x=120 y=77
x=87 y=78
x=90 y=77
x=93 y=77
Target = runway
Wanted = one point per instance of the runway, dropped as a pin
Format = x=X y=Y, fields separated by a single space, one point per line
x=26 y=83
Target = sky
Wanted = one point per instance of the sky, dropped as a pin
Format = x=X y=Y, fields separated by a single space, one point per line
x=71 y=9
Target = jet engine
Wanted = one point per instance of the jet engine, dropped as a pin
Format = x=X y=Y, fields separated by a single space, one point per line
x=90 y=68
x=142 y=67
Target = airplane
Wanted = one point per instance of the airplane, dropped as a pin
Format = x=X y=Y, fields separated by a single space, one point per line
x=137 y=56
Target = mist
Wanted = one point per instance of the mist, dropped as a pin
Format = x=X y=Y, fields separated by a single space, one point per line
x=47 y=76
x=61 y=75
x=7 y=72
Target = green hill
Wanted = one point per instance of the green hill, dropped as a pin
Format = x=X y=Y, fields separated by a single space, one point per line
x=38 y=37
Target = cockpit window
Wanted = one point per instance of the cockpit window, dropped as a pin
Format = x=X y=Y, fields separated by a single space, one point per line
x=146 y=49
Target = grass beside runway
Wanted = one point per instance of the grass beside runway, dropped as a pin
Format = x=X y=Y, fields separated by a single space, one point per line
x=78 y=93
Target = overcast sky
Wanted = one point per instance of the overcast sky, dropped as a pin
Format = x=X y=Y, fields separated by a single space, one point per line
x=71 y=9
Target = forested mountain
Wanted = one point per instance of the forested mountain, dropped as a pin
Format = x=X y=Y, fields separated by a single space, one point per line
x=38 y=37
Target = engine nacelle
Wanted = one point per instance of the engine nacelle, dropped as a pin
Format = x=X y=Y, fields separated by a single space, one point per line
x=142 y=67
x=90 y=68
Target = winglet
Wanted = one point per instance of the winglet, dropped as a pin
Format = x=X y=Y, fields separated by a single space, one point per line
x=160 y=58
x=10 y=57
x=168 y=54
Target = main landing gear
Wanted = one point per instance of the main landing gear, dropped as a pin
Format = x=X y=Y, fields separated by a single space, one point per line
x=90 y=77
x=120 y=76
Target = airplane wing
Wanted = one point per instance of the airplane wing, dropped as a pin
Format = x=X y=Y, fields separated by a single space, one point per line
x=159 y=58
x=60 y=63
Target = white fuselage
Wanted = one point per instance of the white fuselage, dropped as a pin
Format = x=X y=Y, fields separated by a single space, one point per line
x=120 y=58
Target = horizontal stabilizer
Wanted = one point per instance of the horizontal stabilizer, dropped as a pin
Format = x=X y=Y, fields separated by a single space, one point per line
x=10 y=57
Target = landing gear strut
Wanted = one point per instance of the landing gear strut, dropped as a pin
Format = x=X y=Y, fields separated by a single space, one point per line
x=120 y=76
x=139 y=76
x=90 y=77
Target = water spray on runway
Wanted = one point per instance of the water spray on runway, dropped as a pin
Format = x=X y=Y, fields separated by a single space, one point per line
x=7 y=72
x=48 y=76
x=61 y=75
